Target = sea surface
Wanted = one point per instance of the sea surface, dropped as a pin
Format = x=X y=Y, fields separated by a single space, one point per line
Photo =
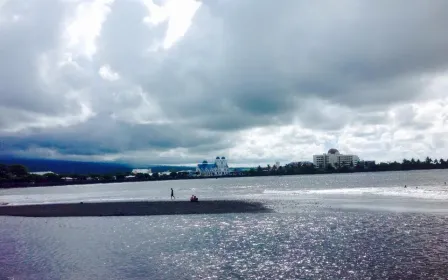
x=342 y=226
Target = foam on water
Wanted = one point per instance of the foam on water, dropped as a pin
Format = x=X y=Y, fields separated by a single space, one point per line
x=426 y=192
x=373 y=186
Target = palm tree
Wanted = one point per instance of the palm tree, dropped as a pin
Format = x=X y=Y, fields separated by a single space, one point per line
x=18 y=170
x=280 y=170
x=4 y=171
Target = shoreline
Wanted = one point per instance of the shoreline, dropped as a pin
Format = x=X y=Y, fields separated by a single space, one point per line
x=133 y=208
x=13 y=185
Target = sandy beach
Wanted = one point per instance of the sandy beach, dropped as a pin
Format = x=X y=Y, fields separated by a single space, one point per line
x=132 y=208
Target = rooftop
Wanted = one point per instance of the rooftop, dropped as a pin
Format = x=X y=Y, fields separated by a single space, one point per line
x=206 y=165
x=333 y=151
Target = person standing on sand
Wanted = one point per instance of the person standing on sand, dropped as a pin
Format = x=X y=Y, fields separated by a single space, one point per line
x=172 y=194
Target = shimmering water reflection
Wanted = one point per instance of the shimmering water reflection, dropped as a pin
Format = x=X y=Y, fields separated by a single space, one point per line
x=317 y=244
x=347 y=226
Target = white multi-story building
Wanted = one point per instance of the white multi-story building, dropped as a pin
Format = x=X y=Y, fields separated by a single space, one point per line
x=219 y=168
x=143 y=171
x=334 y=158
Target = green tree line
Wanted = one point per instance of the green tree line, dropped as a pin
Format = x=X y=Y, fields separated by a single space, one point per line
x=18 y=175
x=307 y=168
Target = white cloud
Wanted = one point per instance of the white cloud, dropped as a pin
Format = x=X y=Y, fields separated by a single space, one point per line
x=178 y=14
x=85 y=26
x=108 y=74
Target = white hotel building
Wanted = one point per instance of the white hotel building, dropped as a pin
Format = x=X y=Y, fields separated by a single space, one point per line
x=334 y=158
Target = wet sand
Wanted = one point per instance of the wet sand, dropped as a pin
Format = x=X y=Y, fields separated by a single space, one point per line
x=133 y=208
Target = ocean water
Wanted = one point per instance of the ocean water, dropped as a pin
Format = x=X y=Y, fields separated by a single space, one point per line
x=345 y=226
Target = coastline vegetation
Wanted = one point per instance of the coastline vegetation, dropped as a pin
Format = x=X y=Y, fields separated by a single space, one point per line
x=17 y=175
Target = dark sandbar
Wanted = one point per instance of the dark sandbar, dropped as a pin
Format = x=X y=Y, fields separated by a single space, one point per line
x=133 y=208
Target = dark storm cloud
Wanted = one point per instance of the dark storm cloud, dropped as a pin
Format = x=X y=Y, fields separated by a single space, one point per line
x=29 y=30
x=268 y=53
x=101 y=135
x=242 y=64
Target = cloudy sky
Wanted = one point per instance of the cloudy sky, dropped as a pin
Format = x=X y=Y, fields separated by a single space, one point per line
x=257 y=81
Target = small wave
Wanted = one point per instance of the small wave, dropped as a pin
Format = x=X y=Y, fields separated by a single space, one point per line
x=282 y=192
x=421 y=193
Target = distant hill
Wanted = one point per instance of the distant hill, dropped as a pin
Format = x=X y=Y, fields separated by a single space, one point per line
x=82 y=167
x=68 y=167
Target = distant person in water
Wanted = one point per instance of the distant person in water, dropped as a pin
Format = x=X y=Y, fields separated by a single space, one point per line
x=172 y=194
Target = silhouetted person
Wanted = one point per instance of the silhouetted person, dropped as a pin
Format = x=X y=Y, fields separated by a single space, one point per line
x=405 y=186
x=172 y=194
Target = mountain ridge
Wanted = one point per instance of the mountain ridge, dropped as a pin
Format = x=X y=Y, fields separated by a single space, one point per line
x=84 y=167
